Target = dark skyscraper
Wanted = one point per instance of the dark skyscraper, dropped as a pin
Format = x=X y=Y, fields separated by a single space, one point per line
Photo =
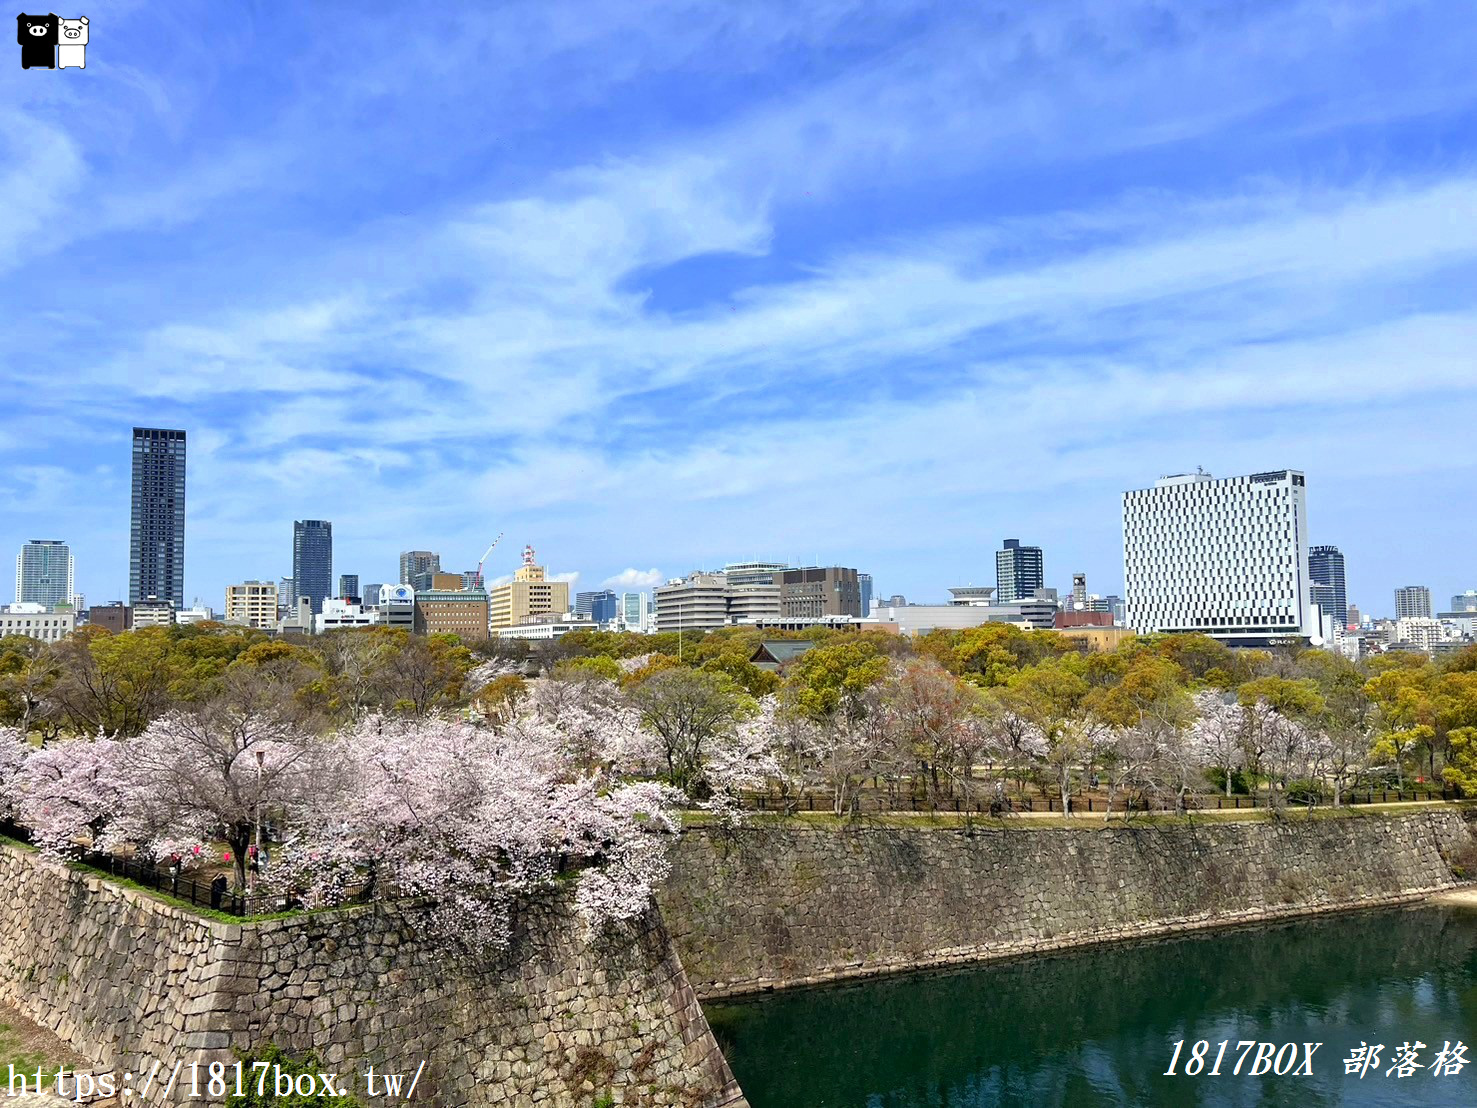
x=312 y=560
x=348 y=584
x=156 y=537
x=1326 y=571
x=1019 y=571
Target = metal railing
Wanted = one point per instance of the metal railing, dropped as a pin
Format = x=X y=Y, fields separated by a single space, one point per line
x=985 y=803
x=215 y=894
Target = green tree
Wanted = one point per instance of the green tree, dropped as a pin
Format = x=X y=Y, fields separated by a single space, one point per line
x=688 y=710
x=821 y=680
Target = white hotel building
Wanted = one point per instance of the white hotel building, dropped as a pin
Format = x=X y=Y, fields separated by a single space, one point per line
x=1225 y=557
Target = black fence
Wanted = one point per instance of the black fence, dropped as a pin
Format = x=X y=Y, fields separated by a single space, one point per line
x=986 y=804
x=215 y=892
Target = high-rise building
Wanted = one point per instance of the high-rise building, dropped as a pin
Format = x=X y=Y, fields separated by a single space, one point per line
x=43 y=573
x=287 y=593
x=348 y=584
x=600 y=606
x=864 y=582
x=1413 y=602
x=156 y=534
x=418 y=561
x=819 y=592
x=312 y=560
x=697 y=602
x=1356 y=619
x=1226 y=557
x=370 y=597
x=253 y=603
x=636 y=611
x=527 y=596
x=1464 y=601
x=1326 y=570
x=1019 y=571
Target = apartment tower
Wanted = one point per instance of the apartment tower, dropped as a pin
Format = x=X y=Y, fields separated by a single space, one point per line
x=156 y=533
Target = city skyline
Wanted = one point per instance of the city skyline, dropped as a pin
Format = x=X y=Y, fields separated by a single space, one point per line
x=667 y=296
x=647 y=580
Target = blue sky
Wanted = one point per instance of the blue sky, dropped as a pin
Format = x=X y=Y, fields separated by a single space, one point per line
x=654 y=286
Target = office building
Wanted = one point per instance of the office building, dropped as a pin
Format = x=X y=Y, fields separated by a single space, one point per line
x=287 y=593
x=1326 y=571
x=753 y=573
x=543 y=630
x=252 y=604
x=339 y=613
x=33 y=621
x=299 y=620
x=1019 y=571
x=864 y=582
x=370 y=597
x=153 y=612
x=197 y=614
x=1464 y=601
x=697 y=602
x=1356 y=618
x=599 y=607
x=312 y=560
x=460 y=612
x=397 y=606
x=418 y=561
x=819 y=592
x=1227 y=557
x=753 y=602
x=528 y=596
x=156 y=534
x=636 y=611
x=348 y=585
x=1413 y=602
x=116 y=617
x=43 y=573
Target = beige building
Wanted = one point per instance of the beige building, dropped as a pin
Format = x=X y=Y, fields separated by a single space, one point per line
x=459 y=612
x=698 y=602
x=253 y=603
x=528 y=597
x=20 y=619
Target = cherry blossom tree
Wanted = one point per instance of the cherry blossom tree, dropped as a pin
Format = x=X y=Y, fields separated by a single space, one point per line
x=1219 y=732
x=69 y=793
x=13 y=752
x=474 y=821
x=938 y=718
x=212 y=772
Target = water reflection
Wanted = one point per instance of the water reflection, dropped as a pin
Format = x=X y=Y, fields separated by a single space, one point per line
x=1098 y=1028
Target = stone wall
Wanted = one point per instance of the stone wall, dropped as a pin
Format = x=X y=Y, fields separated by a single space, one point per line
x=122 y=977
x=777 y=905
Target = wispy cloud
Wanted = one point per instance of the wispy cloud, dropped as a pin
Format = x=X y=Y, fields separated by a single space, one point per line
x=863 y=282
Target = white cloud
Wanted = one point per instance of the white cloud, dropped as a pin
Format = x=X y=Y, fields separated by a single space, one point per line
x=631 y=579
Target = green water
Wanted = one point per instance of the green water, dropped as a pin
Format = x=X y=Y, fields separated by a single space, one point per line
x=1099 y=1027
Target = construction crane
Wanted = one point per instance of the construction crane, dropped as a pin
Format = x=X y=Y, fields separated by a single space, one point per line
x=484 y=557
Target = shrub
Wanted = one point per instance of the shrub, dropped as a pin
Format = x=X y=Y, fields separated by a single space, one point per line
x=1240 y=783
x=1306 y=790
x=278 y=1062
